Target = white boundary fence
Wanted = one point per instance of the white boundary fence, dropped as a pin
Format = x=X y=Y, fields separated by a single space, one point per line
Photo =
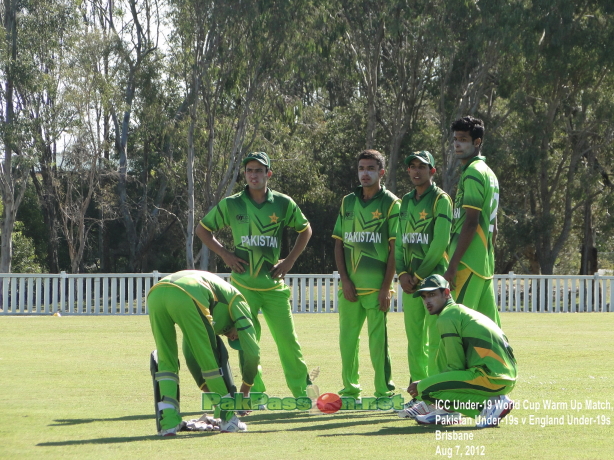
x=125 y=293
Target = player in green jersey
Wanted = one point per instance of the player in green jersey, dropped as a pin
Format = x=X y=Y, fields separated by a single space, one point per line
x=257 y=217
x=364 y=252
x=478 y=364
x=423 y=236
x=203 y=306
x=474 y=229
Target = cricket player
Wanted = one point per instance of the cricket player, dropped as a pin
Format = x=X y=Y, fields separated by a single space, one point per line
x=478 y=364
x=257 y=217
x=474 y=228
x=203 y=306
x=365 y=231
x=423 y=236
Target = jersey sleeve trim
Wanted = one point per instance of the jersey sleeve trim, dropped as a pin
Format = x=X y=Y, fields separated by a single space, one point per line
x=471 y=207
x=205 y=227
x=306 y=227
x=337 y=237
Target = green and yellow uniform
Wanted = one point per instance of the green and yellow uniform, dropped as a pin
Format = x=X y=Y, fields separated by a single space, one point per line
x=420 y=249
x=203 y=306
x=366 y=229
x=478 y=188
x=257 y=230
x=476 y=359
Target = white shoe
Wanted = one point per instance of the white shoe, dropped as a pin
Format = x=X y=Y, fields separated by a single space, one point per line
x=495 y=409
x=439 y=417
x=408 y=405
x=172 y=431
x=234 y=425
x=418 y=408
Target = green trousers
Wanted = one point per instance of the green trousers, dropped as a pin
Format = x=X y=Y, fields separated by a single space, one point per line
x=352 y=316
x=275 y=307
x=457 y=390
x=168 y=306
x=477 y=293
x=422 y=338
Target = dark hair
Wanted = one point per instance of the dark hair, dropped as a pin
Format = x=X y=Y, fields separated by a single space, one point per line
x=373 y=155
x=474 y=126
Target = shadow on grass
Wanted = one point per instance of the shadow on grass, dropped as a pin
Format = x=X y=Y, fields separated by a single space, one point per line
x=127 y=418
x=291 y=417
x=410 y=429
x=122 y=440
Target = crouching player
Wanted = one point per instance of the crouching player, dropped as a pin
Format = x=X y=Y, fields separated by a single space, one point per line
x=203 y=306
x=479 y=368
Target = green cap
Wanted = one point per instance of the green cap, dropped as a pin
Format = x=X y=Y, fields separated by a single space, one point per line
x=260 y=157
x=424 y=156
x=430 y=283
x=234 y=344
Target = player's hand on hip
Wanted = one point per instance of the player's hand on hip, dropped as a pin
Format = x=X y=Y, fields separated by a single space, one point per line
x=281 y=268
x=235 y=263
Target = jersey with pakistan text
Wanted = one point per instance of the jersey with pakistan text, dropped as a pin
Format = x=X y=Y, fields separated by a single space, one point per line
x=424 y=233
x=366 y=229
x=257 y=233
x=224 y=306
x=472 y=340
x=478 y=188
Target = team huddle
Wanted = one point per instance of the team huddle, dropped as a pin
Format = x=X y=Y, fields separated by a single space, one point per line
x=442 y=253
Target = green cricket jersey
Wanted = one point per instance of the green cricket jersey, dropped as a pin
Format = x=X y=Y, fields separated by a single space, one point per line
x=224 y=306
x=366 y=229
x=470 y=339
x=257 y=233
x=478 y=188
x=424 y=233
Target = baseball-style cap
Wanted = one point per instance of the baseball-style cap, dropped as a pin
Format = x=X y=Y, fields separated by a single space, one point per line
x=430 y=283
x=424 y=156
x=234 y=344
x=260 y=157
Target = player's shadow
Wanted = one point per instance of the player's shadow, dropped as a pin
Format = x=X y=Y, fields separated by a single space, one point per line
x=127 y=418
x=262 y=417
x=409 y=429
x=122 y=440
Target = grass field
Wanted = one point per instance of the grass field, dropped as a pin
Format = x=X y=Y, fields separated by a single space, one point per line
x=79 y=387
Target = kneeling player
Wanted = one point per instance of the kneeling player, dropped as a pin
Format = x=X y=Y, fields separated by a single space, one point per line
x=204 y=306
x=478 y=363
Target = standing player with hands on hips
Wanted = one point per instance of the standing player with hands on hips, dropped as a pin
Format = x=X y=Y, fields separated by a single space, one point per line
x=474 y=228
x=257 y=217
x=364 y=253
x=425 y=220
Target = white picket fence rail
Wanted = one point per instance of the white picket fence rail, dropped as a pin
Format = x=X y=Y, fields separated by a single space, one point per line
x=125 y=293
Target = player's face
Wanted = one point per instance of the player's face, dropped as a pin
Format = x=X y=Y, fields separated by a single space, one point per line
x=434 y=301
x=369 y=173
x=419 y=172
x=256 y=175
x=464 y=146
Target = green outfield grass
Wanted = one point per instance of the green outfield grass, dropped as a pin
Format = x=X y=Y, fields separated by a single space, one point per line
x=79 y=387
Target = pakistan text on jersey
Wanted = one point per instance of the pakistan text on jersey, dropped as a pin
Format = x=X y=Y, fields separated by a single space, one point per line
x=420 y=238
x=362 y=237
x=259 y=240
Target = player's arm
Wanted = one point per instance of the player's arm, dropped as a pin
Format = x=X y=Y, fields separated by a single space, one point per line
x=349 y=290
x=282 y=267
x=230 y=259
x=384 y=292
x=451 y=343
x=470 y=226
x=441 y=238
x=249 y=354
x=405 y=278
